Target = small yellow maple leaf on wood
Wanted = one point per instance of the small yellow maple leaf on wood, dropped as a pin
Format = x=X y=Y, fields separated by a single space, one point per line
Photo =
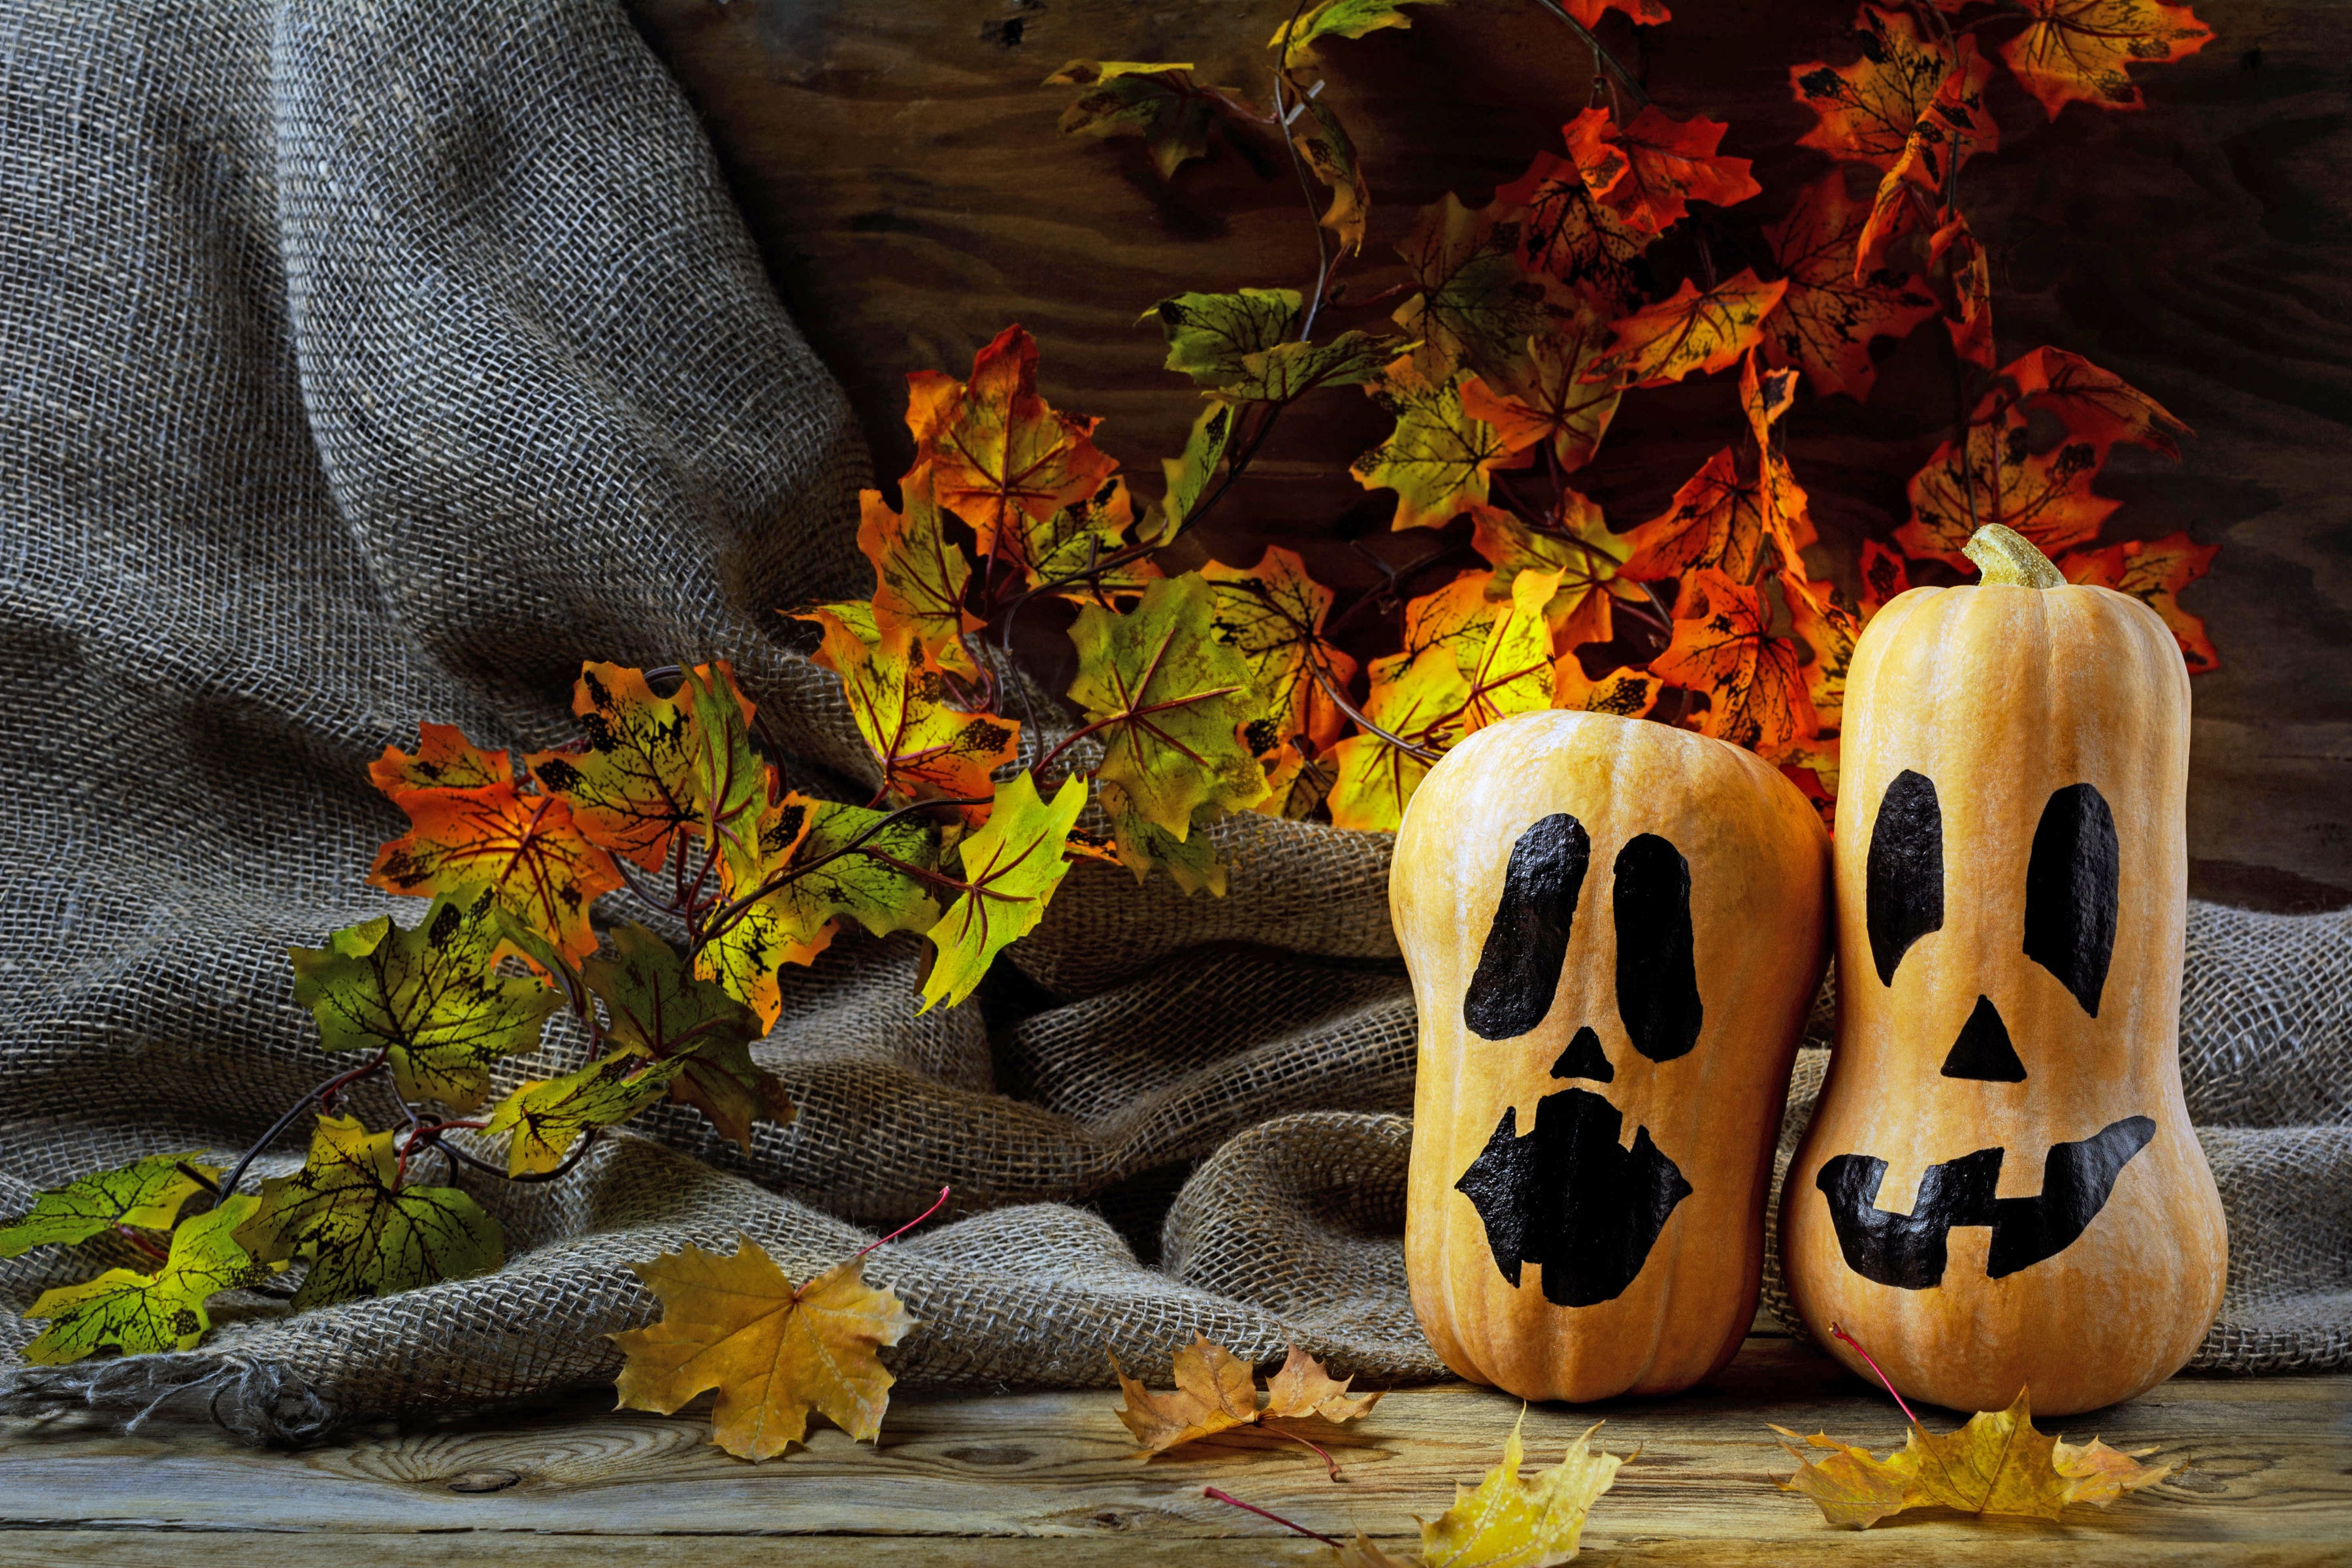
x=1997 y=1464
x=1505 y=1521
x=1217 y=1391
x=771 y=1350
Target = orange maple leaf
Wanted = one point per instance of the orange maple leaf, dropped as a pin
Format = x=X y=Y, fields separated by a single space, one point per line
x=443 y=759
x=1723 y=646
x=1867 y=110
x=2154 y=571
x=1883 y=575
x=1993 y=475
x=1272 y=614
x=631 y=785
x=1954 y=254
x=1827 y=321
x=899 y=699
x=1691 y=332
x=1216 y=1391
x=1577 y=548
x=919 y=573
x=2095 y=405
x=1564 y=232
x=1742 y=510
x=774 y=1351
x=527 y=846
x=1544 y=398
x=1648 y=170
x=1950 y=131
x=998 y=451
x=1825 y=626
x=2082 y=50
x=1628 y=693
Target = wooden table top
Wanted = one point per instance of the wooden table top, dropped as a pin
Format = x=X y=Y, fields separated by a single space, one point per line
x=1050 y=1478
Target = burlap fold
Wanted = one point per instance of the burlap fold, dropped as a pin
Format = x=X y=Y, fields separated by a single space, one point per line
x=365 y=360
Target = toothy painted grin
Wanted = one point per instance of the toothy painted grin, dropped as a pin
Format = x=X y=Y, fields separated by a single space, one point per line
x=1908 y=1251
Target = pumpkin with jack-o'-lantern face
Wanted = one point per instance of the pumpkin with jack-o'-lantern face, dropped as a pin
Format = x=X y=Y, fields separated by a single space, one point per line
x=1614 y=930
x=2000 y=1187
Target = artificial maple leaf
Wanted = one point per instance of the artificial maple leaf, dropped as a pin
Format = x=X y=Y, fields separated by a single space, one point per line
x=365 y=1232
x=145 y=1194
x=1951 y=129
x=1188 y=473
x=1438 y=457
x=1648 y=170
x=445 y=759
x=1565 y=233
x=1997 y=1464
x=430 y=999
x=547 y=1116
x=1290 y=371
x=1209 y=335
x=1514 y=672
x=1691 y=332
x=633 y=787
x=1628 y=693
x=1475 y=305
x=1522 y=1523
x=655 y=1004
x=1642 y=12
x=1456 y=617
x=1076 y=554
x=926 y=750
x=1166 y=699
x=1298 y=37
x=1216 y=1390
x=1578 y=549
x=2152 y=571
x=1330 y=155
x=919 y=573
x=735 y=1323
x=1545 y=397
x=849 y=860
x=1813 y=766
x=2094 y=405
x=1742 y=511
x=1011 y=868
x=1140 y=845
x=730 y=782
x=1883 y=575
x=1826 y=321
x=1376 y=777
x=1867 y=110
x=525 y=847
x=1723 y=646
x=2083 y=50
x=131 y=1313
x=1993 y=475
x=998 y=451
x=1829 y=629
x=1155 y=100
x=1272 y=616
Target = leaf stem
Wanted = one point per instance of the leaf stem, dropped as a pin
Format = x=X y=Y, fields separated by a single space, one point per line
x=1602 y=59
x=143 y=1243
x=1838 y=1333
x=1320 y=1451
x=322 y=1092
x=1227 y=1497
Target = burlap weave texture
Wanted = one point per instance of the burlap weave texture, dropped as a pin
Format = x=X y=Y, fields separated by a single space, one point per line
x=365 y=360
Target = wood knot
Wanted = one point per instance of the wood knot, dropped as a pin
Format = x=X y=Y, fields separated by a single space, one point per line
x=483 y=1480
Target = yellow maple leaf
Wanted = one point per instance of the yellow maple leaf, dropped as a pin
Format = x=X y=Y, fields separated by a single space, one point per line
x=1997 y=1464
x=774 y=1351
x=1508 y=1522
x=1216 y=1391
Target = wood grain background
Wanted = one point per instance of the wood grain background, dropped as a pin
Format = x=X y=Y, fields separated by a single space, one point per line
x=901 y=168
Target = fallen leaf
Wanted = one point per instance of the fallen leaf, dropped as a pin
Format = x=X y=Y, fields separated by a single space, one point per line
x=1216 y=1390
x=1156 y=102
x=1508 y=1522
x=736 y=1324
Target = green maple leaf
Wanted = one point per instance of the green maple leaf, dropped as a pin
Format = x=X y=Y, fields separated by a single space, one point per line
x=633 y=788
x=131 y=1313
x=1168 y=699
x=730 y=782
x=146 y=1194
x=1339 y=19
x=1069 y=550
x=431 y=998
x=1188 y=474
x=1438 y=457
x=546 y=1118
x=1156 y=100
x=1190 y=861
x=1209 y=335
x=1011 y=868
x=1290 y=371
x=1476 y=305
x=366 y=1234
x=655 y=1005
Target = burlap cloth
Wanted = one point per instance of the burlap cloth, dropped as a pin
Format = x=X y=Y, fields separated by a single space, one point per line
x=365 y=360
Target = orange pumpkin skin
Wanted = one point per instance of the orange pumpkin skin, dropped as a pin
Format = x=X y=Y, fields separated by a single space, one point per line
x=1758 y=865
x=2011 y=699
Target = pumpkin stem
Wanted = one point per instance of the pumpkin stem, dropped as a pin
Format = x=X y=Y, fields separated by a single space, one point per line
x=2005 y=555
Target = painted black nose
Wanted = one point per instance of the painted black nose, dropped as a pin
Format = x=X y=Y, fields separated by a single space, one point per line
x=1983 y=1050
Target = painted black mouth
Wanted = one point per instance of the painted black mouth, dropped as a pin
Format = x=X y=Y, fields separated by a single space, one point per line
x=1908 y=1251
x=1567 y=1197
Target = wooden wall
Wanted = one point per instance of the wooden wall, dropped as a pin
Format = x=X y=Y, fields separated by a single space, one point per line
x=901 y=168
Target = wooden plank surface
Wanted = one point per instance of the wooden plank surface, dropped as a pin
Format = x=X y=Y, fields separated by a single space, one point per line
x=1050 y=1478
x=900 y=166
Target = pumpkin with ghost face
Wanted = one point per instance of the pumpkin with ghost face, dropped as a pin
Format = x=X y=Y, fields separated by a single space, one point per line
x=1615 y=929
x=1999 y=1188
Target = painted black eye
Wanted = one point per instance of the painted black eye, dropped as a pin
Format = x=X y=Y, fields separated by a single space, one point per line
x=1657 y=983
x=2070 y=892
x=1904 y=896
x=1518 y=969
